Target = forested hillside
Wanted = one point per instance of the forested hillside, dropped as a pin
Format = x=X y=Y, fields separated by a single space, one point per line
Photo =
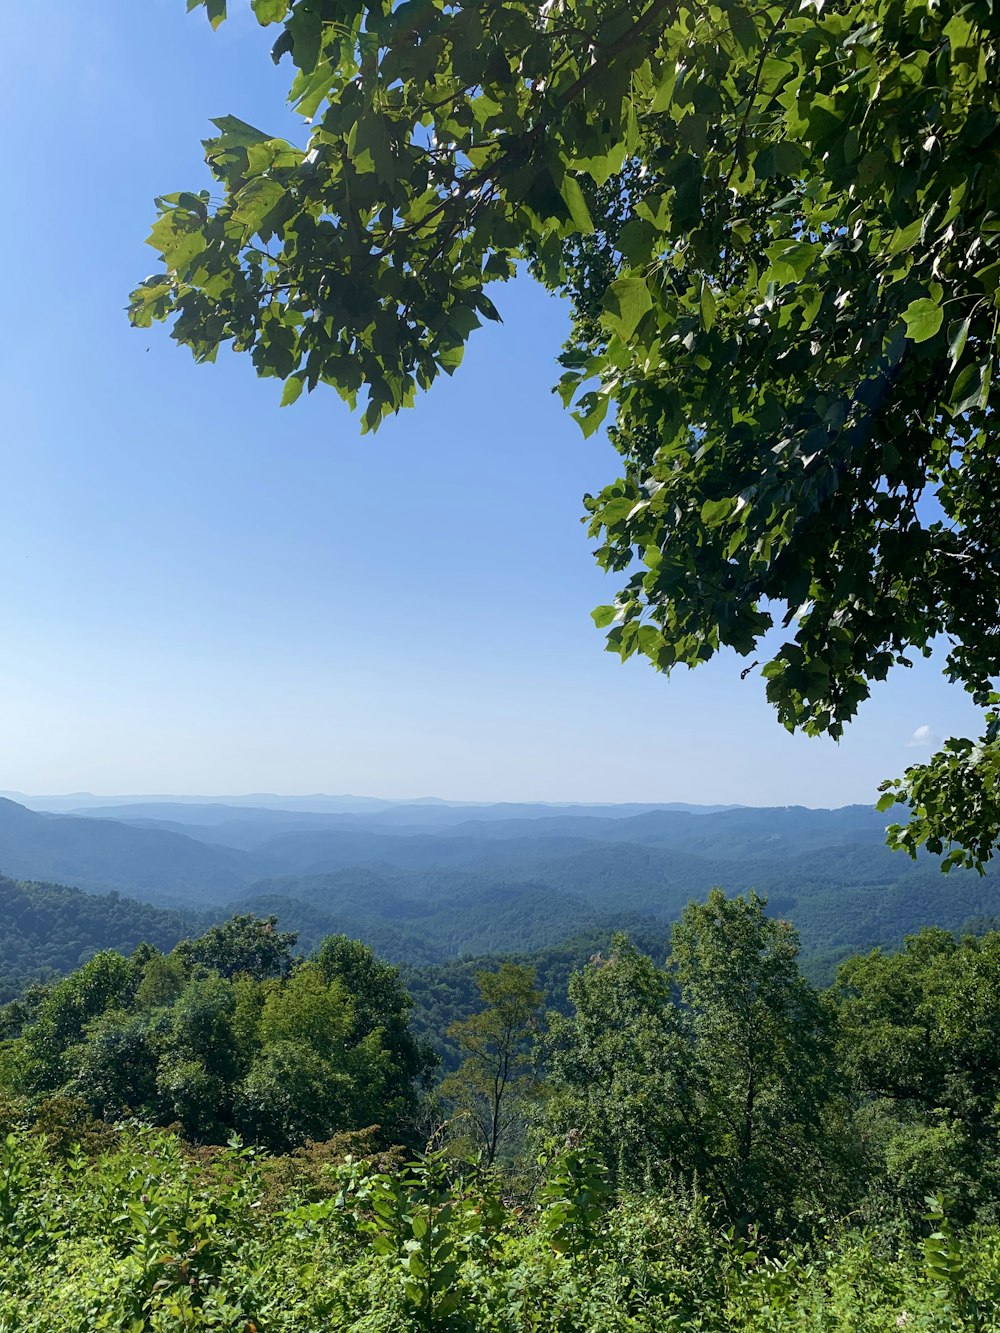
x=48 y=930
x=153 y=864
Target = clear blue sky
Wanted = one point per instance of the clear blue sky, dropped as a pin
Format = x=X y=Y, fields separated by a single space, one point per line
x=203 y=593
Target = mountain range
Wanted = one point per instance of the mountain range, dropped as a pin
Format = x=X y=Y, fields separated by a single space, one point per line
x=430 y=881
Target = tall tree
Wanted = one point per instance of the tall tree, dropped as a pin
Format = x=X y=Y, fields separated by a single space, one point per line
x=764 y=1052
x=622 y=1070
x=778 y=227
x=497 y=1077
x=919 y=1031
x=106 y=982
x=243 y=944
x=380 y=1009
x=719 y=1068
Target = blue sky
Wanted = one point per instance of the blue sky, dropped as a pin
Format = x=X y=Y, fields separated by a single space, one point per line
x=204 y=593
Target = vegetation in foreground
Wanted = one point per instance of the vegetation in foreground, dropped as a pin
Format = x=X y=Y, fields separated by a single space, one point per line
x=148 y=1234
x=230 y=1137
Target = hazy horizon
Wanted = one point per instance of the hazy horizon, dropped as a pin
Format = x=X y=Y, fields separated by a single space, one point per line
x=365 y=800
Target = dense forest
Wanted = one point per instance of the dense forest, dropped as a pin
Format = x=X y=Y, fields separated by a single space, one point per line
x=230 y=1134
x=47 y=930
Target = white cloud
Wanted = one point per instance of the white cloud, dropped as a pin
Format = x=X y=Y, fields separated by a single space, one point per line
x=923 y=736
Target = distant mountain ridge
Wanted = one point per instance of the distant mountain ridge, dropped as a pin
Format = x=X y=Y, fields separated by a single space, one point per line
x=476 y=880
x=151 y=864
x=86 y=803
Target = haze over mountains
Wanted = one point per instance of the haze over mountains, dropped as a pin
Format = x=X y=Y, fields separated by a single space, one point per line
x=430 y=809
x=431 y=880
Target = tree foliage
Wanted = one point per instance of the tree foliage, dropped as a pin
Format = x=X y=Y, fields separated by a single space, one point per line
x=779 y=226
x=621 y=1067
x=497 y=1079
x=765 y=1069
x=243 y=944
x=919 y=1042
x=228 y=1033
x=719 y=1067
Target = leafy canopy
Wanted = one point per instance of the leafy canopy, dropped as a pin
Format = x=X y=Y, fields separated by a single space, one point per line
x=228 y=1033
x=718 y=1068
x=917 y=1038
x=779 y=227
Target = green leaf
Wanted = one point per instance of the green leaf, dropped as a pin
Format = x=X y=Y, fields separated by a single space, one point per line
x=603 y=616
x=270 y=11
x=636 y=240
x=788 y=158
x=923 y=318
x=957 y=335
x=626 y=301
x=237 y=133
x=590 y=411
x=990 y=279
x=576 y=204
x=984 y=388
x=707 y=305
x=968 y=388
x=293 y=388
x=714 y=512
x=309 y=90
x=450 y=358
x=743 y=27
x=177 y=246
x=791 y=260
x=255 y=201
x=905 y=237
x=487 y=309
x=601 y=167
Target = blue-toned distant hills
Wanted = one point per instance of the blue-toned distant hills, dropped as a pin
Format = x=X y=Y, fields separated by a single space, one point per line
x=429 y=881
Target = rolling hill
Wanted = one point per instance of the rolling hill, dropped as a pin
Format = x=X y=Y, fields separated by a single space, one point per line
x=153 y=864
x=473 y=881
x=48 y=930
